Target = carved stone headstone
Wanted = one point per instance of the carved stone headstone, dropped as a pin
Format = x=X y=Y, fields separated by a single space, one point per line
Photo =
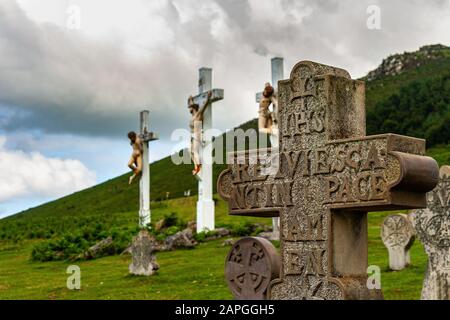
x=397 y=233
x=330 y=175
x=143 y=260
x=433 y=230
x=250 y=266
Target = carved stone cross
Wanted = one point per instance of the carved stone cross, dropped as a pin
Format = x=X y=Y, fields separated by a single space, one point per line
x=397 y=233
x=433 y=230
x=330 y=176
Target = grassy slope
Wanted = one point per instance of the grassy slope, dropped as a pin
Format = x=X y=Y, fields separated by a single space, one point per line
x=184 y=274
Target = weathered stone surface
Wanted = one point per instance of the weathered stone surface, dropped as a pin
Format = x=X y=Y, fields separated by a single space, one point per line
x=159 y=225
x=192 y=225
x=433 y=230
x=250 y=266
x=100 y=249
x=218 y=233
x=397 y=233
x=143 y=260
x=181 y=239
x=228 y=242
x=329 y=175
x=270 y=235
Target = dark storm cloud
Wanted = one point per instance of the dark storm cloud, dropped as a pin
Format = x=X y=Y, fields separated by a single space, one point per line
x=61 y=81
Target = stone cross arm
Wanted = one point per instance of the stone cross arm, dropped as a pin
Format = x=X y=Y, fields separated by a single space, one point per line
x=381 y=172
x=217 y=94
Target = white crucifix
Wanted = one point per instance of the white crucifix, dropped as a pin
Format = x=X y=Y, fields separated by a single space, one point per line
x=277 y=75
x=201 y=145
x=144 y=184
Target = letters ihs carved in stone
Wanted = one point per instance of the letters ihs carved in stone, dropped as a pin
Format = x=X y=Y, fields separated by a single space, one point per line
x=330 y=175
x=433 y=230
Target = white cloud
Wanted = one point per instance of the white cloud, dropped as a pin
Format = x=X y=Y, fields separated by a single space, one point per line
x=34 y=175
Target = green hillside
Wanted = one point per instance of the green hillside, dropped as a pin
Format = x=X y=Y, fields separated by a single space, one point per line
x=408 y=94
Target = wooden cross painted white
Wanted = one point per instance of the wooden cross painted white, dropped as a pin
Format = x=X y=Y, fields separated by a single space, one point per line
x=205 y=203
x=144 y=184
x=277 y=75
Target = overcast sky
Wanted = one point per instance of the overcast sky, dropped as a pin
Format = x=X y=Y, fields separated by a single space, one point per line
x=68 y=96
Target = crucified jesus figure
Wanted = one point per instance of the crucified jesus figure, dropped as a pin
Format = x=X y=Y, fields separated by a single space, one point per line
x=196 y=130
x=267 y=119
x=135 y=162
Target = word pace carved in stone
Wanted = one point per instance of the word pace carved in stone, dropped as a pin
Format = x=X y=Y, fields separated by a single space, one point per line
x=433 y=230
x=329 y=175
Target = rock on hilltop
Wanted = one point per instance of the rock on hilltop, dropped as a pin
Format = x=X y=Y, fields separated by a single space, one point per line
x=398 y=63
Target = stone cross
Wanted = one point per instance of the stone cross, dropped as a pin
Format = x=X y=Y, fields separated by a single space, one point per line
x=277 y=67
x=142 y=249
x=205 y=203
x=331 y=174
x=433 y=230
x=397 y=233
x=144 y=183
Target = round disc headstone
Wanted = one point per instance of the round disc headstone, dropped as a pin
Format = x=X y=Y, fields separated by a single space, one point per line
x=250 y=266
x=398 y=235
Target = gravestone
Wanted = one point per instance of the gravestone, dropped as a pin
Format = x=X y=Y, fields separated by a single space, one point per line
x=250 y=266
x=433 y=230
x=143 y=260
x=397 y=233
x=330 y=175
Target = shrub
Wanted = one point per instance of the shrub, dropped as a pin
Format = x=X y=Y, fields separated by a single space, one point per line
x=170 y=219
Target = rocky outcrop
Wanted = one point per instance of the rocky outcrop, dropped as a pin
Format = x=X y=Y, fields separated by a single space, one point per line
x=398 y=63
x=181 y=239
x=100 y=249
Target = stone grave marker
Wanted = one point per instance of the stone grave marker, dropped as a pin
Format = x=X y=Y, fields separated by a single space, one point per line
x=432 y=226
x=397 y=233
x=143 y=260
x=330 y=175
x=250 y=266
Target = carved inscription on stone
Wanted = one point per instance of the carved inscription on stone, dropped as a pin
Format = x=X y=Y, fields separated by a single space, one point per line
x=250 y=266
x=329 y=175
x=397 y=233
x=433 y=230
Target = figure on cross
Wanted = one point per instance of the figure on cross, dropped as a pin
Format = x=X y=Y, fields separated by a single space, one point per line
x=135 y=163
x=267 y=119
x=196 y=130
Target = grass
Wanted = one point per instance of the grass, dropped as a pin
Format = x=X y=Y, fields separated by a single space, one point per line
x=185 y=274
